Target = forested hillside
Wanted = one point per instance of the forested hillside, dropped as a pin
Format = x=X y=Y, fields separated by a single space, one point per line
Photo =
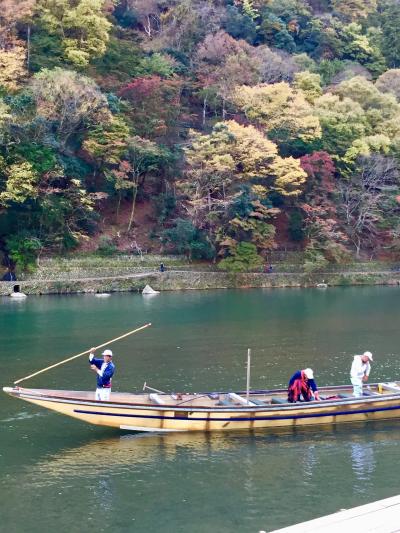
x=218 y=129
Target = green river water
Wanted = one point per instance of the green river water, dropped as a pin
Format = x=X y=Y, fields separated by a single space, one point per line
x=59 y=474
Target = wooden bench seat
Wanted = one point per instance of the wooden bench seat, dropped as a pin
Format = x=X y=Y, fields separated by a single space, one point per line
x=226 y=403
x=389 y=387
x=256 y=401
x=277 y=400
x=239 y=399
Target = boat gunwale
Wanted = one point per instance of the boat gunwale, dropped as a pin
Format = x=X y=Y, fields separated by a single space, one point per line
x=303 y=406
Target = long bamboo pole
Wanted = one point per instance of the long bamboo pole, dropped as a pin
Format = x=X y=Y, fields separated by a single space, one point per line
x=82 y=353
x=248 y=375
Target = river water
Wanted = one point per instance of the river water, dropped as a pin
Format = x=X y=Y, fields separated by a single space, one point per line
x=59 y=474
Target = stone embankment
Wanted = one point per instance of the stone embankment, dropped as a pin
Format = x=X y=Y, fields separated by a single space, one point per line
x=117 y=275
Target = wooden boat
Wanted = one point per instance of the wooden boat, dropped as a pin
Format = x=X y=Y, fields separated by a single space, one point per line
x=216 y=411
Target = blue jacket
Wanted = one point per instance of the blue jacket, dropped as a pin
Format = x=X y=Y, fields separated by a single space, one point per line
x=105 y=379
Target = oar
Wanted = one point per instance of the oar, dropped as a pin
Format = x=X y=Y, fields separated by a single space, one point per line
x=82 y=353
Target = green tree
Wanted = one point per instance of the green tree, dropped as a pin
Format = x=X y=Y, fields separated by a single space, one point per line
x=106 y=143
x=65 y=213
x=243 y=257
x=342 y=122
x=24 y=249
x=296 y=226
x=184 y=238
x=5 y=119
x=141 y=158
x=309 y=83
x=380 y=108
x=46 y=50
x=82 y=25
x=390 y=22
x=70 y=101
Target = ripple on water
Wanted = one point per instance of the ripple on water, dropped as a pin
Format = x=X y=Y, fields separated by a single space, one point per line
x=23 y=415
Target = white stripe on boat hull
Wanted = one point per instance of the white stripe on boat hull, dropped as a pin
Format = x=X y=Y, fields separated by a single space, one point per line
x=152 y=430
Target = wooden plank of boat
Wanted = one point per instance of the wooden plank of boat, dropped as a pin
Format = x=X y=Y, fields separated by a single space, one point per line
x=217 y=411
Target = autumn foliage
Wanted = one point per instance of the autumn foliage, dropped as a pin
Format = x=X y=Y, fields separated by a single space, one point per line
x=218 y=115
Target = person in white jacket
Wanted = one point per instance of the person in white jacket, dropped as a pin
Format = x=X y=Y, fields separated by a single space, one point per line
x=360 y=370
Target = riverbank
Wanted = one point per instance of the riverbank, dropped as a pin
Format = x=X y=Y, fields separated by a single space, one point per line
x=127 y=273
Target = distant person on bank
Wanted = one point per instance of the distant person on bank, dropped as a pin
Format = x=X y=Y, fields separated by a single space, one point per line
x=302 y=387
x=104 y=369
x=9 y=276
x=360 y=370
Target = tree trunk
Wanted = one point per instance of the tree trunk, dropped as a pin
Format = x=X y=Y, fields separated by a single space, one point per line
x=118 y=206
x=204 y=110
x=135 y=185
x=28 y=47
x=209 y=210
x=358 y=247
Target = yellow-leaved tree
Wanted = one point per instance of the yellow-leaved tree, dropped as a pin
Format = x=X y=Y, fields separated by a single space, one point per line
x=12 y=67
x=21 y=183
x=354 y=10
x=289 y=176
x=231 y=157
x=14 y=15
x=283 y=112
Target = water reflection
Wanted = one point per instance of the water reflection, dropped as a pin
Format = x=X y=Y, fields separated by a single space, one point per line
x=126 y=453
x=309 y=461
x=130 y=451
x=363 y=464
x=104 y=493
x=215 y=481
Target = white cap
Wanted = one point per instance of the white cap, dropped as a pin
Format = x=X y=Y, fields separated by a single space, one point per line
x=369 y=355
x=107 y=352
x=309 y=373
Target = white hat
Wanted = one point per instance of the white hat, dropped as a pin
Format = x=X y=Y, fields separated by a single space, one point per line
x=107 y=352
x=309 y=373
x=369 y=355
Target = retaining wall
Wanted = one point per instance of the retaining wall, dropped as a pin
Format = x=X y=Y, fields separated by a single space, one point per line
x=186 y=280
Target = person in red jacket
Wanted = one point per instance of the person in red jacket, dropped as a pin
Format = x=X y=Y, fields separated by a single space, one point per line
x=302 y=387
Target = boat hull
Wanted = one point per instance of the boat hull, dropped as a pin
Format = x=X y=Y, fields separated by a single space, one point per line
x=139 y=417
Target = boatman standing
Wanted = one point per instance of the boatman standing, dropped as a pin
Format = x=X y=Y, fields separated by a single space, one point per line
x=359 y=372
x=104 y=369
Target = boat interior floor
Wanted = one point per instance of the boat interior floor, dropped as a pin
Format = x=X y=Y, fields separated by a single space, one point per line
x=223 y=399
